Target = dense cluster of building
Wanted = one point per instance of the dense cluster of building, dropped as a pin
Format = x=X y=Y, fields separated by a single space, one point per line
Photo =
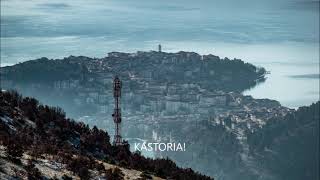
x=159 y=86
x=164 y=97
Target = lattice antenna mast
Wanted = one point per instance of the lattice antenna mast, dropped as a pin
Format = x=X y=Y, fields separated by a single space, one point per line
x=117 y=111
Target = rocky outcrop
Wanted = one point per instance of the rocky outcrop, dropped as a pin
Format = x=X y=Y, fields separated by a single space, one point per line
x=39 y=142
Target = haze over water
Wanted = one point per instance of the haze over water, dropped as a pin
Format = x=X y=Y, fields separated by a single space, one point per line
x=280 y=35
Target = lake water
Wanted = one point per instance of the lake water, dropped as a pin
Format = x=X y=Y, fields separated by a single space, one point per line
x=282 y=35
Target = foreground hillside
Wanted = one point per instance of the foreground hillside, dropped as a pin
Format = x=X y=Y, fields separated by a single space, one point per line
x=39 y=142
x=288 y=147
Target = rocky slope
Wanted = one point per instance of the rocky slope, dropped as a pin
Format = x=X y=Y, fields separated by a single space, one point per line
x=39 y=142
x=48 y=167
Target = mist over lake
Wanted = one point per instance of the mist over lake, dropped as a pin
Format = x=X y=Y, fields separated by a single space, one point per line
x=282 y=36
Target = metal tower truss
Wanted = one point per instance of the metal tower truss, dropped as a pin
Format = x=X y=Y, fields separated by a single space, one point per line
x=117 y=111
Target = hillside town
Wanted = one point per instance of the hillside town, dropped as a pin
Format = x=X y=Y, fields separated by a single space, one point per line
x=158 y=87
x=164 y=97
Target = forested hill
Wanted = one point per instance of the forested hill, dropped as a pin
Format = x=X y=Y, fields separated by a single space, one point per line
x=289 y=146
x=208 y=71
x=46 y=138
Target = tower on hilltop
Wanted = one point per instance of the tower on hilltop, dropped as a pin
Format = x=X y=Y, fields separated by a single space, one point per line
x=117 y=111
x=159 y=47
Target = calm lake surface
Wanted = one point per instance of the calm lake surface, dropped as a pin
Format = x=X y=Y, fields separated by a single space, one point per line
x=282 y=35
